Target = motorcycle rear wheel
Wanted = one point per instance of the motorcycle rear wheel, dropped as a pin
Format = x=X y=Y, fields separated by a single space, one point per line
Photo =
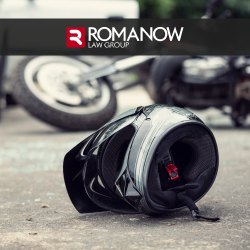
x=44 y=86
x=160 y=86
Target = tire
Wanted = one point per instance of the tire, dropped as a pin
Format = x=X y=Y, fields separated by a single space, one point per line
x=164 y=68
x=52 y=107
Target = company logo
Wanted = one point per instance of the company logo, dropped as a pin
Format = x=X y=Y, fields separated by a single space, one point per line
x=106 y=37
x=75 y=37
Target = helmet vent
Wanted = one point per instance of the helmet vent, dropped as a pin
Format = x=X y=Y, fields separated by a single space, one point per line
x=114 y=154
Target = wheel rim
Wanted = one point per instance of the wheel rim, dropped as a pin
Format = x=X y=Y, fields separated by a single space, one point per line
x=53 y=80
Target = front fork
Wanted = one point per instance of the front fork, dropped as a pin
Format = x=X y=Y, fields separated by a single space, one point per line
x=115 y=67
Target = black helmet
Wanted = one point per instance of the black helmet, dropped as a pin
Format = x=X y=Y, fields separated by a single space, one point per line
x=151 y=160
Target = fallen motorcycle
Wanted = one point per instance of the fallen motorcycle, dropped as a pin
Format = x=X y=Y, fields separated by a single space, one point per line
x=68 y=93
x=75 y=95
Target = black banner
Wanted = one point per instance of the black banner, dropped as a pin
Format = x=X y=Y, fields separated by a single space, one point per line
x=124 y=37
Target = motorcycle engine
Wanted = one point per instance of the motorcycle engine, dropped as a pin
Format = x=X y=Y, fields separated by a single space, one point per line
x=204 y=69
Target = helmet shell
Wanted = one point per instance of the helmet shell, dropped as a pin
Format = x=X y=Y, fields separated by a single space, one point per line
x=143 y=135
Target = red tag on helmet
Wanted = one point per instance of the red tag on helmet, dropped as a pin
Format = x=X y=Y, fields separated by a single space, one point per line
x=172 y=171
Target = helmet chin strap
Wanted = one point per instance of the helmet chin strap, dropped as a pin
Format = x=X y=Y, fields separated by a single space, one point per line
x=195 y=214
x=182 y=197
x=178 y=193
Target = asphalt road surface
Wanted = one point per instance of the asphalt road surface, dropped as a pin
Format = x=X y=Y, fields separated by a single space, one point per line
x=31 y=156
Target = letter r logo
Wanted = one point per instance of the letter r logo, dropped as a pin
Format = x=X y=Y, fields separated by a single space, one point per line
x=75 y=37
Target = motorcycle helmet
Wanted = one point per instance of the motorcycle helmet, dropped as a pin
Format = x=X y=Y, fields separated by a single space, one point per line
x=151 y=160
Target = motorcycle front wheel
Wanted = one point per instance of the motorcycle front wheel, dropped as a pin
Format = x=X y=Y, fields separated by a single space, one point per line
x=50 y=88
